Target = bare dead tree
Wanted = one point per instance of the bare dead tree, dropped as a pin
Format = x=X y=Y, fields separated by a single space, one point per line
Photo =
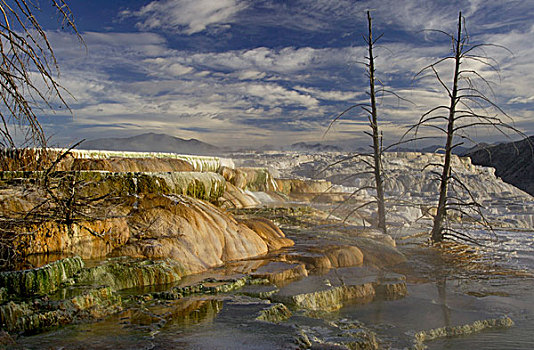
x=374 y=159
x=28 y=69
x=471 y=104
x=67 y=198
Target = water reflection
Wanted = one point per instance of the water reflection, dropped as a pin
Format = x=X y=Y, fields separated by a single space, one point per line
x=441 y=285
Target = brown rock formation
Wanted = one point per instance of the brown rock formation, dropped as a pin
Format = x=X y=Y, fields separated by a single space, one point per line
x=195 y=233
x=328 y=256
x=299 y=186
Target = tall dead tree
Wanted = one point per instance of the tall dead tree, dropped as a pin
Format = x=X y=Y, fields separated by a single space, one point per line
x=471 y=104
x=28 y=69
x=374 y=160
x=28 y=83
x=373 y=120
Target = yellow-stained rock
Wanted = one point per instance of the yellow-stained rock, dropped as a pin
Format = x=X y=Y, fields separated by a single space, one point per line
x=253 y=179
x=299 y=186
x=344 y=256
x=279 y=272
x=88 y=239
x=331 y=298
x=236 y=177
x=328 y=256
x=269 y=232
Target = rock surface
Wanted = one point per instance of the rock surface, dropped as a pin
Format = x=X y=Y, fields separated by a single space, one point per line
x=462 y=330
x=276 y=313
x=278 y=272
x=237 y=198
x=326 y=256
x=269 y=232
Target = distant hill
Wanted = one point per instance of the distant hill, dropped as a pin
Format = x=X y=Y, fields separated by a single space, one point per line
x=151 y=142
x=312 y=147
x=513 y=162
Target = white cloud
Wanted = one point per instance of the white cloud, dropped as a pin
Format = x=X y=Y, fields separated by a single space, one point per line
x=166 y=68
x=136 y=81
x=275 y=95
x=251 y=75
x=283 y=61
x=186 y=16
x=330 y=95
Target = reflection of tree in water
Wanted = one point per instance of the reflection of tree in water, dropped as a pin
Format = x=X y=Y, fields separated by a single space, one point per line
x=193 y=311
x=441 y=285
x=183 y=312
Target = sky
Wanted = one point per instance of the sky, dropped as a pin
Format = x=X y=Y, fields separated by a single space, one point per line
x=247 y=73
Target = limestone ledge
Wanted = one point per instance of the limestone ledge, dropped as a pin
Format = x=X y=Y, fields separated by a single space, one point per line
x=340 y=334
x=331 y=299
x=36 y=155
x=251 y=179
x=88 y=239
x=410 y=184
x=331 y=291
x=201 y=185
x=461 y=330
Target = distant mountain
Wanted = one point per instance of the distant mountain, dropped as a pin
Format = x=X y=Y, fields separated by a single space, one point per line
x=459 y=150
x=312 y=147
x=151 y=142
x=513 y=162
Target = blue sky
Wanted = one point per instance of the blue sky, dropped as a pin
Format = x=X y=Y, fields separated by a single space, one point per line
x=248 y=73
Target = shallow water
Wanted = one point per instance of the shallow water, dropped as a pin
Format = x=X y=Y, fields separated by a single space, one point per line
x=438 y=295
x=432 y=305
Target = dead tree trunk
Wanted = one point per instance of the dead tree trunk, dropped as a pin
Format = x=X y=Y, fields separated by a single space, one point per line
x=437 y=229
x=377 y=147
x=374 y=159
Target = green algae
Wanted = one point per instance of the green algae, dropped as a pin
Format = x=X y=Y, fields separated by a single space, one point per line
x=124 y=273
x=42 y=280
x=91 y=183
x=208 y=286
x=274 y=314
x=330 y=299
x=259 y=179
x=43 y=314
